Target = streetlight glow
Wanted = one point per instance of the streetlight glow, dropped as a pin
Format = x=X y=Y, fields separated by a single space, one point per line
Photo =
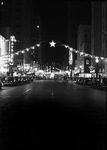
x=97 y=60
x=38 y=45
x=37 y=26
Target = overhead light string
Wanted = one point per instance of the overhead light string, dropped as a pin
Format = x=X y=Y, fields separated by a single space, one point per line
x=53 y=44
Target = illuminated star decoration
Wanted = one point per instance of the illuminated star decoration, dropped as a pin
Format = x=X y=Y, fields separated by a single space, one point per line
x=52 y=43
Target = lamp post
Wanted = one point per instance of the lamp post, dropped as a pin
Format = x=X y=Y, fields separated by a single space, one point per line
x=80 y=68
x=97 y=61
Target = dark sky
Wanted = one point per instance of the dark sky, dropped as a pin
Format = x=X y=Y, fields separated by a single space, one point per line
x=54 y=22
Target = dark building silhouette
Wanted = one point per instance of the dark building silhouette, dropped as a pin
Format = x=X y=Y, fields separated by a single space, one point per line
x=83 y=45
x=71 y=41
x=99 y=37
x=18 y=15
x=37 y=38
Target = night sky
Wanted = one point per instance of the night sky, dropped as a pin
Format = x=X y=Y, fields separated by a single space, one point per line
x=54 y=24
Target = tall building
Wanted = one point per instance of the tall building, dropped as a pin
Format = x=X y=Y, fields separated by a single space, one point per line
x=104 y=35
x=69 y=37
x=99 y=37
x=4 y=59
x=65 y=62
x=18 y=16
x=37 y=38
x=83 y=46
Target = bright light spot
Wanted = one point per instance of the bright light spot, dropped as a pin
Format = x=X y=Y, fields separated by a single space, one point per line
x=17 y=53
x=97 y=60
x=36 y=69
x=15 y=40
x=11 y=50
x=1 y=3
x=11 y=55
x=86 y=54
x=37 y=26
x=66 y=46
x=80 y=66
x=12 y=43
x=52 y=44
x=27 y=49
x=106 y=60
x=71 y=49
x=38 y=45
x=102 y=58
x=70 y=58
x=22 y=52
x=15 y=74
x=52 y=75
x=12 y=38
x=81 y=53
x=32 y=47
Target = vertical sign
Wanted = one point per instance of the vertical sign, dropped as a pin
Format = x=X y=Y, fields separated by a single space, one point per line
x=70 y=58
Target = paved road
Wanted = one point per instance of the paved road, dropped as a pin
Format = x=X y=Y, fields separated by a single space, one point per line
x=52 y=113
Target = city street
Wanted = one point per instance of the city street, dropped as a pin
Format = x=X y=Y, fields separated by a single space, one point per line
x=53 y=75
x=48 y=113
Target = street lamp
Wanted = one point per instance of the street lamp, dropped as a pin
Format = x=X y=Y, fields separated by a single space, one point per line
x=80 y=68
x=97 y=61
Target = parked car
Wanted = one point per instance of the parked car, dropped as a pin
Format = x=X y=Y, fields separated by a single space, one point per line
x=79 y=80
x=87 y=81
x=99 y=83
x=17 y=80
x=8 y=81
x=95 y=83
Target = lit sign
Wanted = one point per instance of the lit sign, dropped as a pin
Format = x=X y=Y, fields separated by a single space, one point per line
x=87 y=62
x=70 y=58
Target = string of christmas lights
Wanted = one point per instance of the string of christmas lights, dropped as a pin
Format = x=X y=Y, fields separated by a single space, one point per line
x=53 y=44
x=85 y=54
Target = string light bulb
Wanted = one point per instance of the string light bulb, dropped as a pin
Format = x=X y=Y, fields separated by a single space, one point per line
x=12 y=38
x=27 y=49
x=102 y=58
x=38 y=45
x=22 y=51
x=32 y=47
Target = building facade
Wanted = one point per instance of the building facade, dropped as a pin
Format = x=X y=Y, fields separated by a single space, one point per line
x=37 y=38
x=104 y=35
x=69 y=55
x=18 y=15
x=99 y=38
x=4 y=57
x=83 y=46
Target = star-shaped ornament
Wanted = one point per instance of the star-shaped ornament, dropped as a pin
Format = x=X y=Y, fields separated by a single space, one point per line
x=52 y=43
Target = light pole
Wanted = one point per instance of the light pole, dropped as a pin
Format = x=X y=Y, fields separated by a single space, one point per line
x=80 y=68
x=97 y=61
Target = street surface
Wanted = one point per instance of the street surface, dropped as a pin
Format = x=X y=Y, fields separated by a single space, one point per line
x=51 y=113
